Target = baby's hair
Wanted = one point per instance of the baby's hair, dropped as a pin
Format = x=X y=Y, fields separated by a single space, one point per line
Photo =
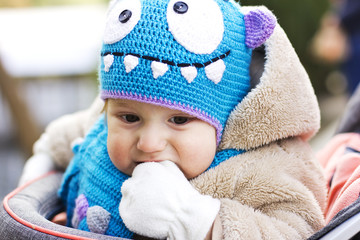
x=104 y=109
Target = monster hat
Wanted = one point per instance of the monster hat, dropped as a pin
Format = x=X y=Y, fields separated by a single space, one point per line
x=190 y=55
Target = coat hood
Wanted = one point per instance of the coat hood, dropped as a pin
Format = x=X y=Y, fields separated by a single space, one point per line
x=282 y=104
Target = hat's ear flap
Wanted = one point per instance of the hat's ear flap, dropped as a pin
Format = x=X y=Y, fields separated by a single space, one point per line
x=259 y=24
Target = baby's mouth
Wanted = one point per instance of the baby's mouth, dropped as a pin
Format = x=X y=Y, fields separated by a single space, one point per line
x=146 y=161
x=214 y=68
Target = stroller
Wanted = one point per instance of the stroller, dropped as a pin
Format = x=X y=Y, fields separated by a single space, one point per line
x=27 y=211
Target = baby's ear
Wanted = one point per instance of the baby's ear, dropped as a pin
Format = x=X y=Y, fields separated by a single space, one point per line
x=259 y=23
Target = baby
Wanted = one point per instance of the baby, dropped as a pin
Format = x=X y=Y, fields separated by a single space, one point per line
x=188 y=146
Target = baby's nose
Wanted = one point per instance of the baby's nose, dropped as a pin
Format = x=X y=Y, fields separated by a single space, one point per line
x=151 y=139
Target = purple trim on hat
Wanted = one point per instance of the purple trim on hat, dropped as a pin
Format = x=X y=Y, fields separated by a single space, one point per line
x=168 y=104
x=259 y=27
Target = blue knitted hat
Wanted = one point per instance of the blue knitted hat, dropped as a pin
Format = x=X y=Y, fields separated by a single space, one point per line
x=190 y=55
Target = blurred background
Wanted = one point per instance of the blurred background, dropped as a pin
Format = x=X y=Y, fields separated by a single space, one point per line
x=49 y=51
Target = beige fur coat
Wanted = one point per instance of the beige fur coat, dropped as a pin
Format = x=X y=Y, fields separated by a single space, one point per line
x=276 y=189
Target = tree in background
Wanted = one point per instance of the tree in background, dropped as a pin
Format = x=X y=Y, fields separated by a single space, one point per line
x=299 y=18
x=29 y=3
x=15 y=3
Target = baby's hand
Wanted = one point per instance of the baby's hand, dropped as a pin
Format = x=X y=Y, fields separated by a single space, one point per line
x=159 y=202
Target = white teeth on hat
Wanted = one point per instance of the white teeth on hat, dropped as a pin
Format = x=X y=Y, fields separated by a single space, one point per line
x=189 y=73
x=108 y=61
x=215 y=71
x=159 y=69
x=130 y=62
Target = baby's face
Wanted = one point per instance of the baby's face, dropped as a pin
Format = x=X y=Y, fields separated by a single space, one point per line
x=141 y=132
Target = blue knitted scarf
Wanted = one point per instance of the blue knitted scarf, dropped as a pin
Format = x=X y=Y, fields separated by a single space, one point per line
x=91 y=187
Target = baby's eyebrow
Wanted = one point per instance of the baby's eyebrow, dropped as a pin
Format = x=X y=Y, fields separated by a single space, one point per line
x=183 y=114
x=119 y=102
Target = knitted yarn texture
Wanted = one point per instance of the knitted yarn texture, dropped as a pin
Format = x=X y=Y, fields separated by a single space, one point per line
x=190 y=56
x=91 y=187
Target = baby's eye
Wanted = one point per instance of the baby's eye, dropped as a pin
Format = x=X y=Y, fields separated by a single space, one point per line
x=130 y=118
x=180 y=120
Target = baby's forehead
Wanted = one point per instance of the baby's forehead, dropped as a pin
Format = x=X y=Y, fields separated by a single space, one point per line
x=145 y=106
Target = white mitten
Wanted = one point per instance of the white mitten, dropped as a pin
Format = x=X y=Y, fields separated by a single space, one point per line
x=159 y=202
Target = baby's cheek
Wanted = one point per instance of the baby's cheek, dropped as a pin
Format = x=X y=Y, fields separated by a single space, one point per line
x=115 y=151
x=121 y=163
x=114 y=157
x=197 y=161
x=111 y=147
